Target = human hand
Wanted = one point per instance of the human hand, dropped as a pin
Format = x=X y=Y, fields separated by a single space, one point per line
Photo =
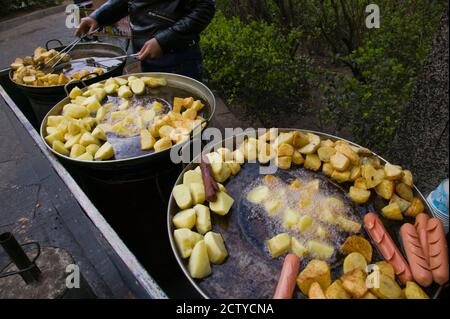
x=87 y=25
x=150 y=50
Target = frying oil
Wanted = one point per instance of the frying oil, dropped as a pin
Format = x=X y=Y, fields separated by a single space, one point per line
x=307 y=196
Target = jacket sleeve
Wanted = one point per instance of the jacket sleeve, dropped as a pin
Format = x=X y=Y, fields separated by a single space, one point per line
x=189 y=26
x=111 y=12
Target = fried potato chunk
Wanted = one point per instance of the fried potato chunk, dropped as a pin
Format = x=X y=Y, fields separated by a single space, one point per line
x=358 y=244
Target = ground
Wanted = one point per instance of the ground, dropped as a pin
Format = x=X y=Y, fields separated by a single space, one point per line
x=23 y=39
x=35 y=204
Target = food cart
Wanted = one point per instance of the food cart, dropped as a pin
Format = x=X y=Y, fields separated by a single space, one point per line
x=144 y=211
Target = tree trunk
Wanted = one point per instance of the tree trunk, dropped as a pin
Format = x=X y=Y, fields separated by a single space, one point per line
x=421 y=142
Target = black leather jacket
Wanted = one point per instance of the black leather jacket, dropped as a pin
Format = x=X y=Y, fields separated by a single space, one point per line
x=176 y=24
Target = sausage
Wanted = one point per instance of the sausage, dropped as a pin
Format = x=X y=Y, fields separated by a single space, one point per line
x=418 y=262
x=438 y=251
x=286 y=283
x=421 y=221
x=421 y=227
x=211 y=187
x=387 y=247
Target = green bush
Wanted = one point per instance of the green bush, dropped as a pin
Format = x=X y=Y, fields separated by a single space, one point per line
x=370 y=109
x=327 y=25
x=388 y=63
x=255 y=63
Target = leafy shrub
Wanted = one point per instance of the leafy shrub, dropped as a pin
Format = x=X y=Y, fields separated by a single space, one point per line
x=383 y=62
x=254 y=62
x=370 y=109
x=388 y=63
x=333 y=25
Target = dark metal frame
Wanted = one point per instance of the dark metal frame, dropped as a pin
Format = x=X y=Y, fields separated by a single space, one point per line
x=27 y=268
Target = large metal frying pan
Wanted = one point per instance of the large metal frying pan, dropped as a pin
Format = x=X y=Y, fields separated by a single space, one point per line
x=80 y=51
x=42 y=98
x=195 y=88
x=249 y=272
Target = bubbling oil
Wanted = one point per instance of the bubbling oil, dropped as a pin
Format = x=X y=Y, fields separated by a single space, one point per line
x=305 y=195
x=126 y=141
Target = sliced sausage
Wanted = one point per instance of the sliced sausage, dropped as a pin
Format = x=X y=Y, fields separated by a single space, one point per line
x=421 y=227
x=417 y=260
x=387 y=247
x=286 y=283
x=438 y=251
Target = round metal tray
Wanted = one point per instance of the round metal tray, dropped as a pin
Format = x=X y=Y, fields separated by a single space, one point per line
x=249 y=272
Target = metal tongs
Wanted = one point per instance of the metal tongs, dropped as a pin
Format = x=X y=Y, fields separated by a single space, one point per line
x=97 y=61
x=61 y=54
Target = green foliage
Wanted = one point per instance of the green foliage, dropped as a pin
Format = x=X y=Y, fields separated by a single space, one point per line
x=332 y=24
x=371 y=109
x=376 y=68
x=388 y=63
x=254 y=62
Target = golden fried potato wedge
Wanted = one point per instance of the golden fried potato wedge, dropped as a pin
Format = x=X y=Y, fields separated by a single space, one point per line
x=354 y=282
x=358 y=244
x=387 y=289
x=415 y=208
x=316 y=271
x=316 y=292
x=336 y=291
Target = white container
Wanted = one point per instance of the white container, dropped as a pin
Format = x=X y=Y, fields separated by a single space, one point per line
x=438 y=200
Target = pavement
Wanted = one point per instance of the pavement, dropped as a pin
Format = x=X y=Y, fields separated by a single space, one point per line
x=9 y=22
x=37 y=206
x=21 y=40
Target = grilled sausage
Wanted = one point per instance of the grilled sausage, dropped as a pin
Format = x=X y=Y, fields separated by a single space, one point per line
x=421 y=227
x=438 y=251
x=387 y=247
x=418 y=262
x=286 y=283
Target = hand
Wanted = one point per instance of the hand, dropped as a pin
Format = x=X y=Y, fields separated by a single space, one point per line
x=87 y=25
x=150 y=50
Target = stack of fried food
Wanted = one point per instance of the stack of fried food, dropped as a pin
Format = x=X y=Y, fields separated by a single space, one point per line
x=26 y=70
